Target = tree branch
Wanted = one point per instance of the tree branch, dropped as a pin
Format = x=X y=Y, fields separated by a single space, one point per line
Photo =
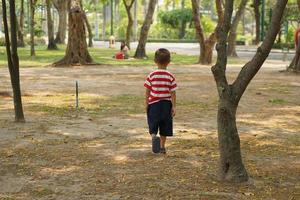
x=219 y=68
x=251 y=68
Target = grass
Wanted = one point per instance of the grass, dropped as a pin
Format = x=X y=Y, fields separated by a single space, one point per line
x=100 y=55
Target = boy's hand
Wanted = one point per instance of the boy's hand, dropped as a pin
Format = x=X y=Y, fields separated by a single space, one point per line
x=173 y=111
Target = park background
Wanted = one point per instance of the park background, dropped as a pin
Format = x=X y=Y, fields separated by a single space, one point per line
x=101 y=149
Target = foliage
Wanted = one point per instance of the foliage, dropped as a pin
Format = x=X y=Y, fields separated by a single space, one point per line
x=174 y=18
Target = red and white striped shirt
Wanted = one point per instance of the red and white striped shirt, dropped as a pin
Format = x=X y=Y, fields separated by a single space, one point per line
x=160 y=83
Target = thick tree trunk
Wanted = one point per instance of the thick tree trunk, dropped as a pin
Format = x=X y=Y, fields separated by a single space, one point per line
x=62 y=9
x=130 y=21
x=77 y=51
x=256 y=4
x=32 y=13
x=206 y=45
x=141 y=48
x=231 y=165
x=51 y=42
x=232 y=34
x=21 y=42
x=13 y=59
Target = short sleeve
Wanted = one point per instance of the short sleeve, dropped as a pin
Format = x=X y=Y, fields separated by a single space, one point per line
x=147 y=83
x=173 y=85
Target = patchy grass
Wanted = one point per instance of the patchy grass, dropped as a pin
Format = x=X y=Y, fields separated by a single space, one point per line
x=100 y=55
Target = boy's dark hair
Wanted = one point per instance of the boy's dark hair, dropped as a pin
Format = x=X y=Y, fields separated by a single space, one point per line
x=162 y=56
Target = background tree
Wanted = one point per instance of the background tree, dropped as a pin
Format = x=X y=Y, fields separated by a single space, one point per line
x=21 y=42
x=51 y=42
x=62 y=9
x=32 y=4
x=231 y=165
x=233 y=29
x=256 y=4
x=141 y=48
x=295 y=64
x=13 y=58
x=77 y=51
x=206 y=44
x=128 y=7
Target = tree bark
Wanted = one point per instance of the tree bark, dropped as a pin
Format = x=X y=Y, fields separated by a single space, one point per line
x=88 y=26
x=130 y=21
x=77 y=51
x=295 y=64
x=206 y=45
x=231 y=165
x=140 y=52
x=13 y=59
x=51 y=42
x=62 y=9
x=183 y=24
x=256 y=4
x=21 y=42
x=104 y=14
x=232 y=33
x=32 y=22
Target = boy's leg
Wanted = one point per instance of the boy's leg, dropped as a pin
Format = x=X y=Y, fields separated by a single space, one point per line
x=162 y=141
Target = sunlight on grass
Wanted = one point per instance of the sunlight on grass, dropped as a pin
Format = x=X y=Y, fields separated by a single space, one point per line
x=100 y=55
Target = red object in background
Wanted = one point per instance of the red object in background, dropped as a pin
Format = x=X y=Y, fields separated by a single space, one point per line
x=297 y=35
x=120 y=56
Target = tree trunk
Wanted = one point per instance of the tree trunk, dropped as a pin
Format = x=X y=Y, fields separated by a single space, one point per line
x=77 y=51
x=104 y=14
x=51 y=42
x=89 y=29
x=62 y=9
x=21 y=42
x=232 y=34
x=32 y=13
x=256 y=4
x=96 y=20
x=183 y=24
x=141 y=48
x=231 y=165
x=295 y=64
x=13 y=59
x=130 y=21
x=206 y=45
x=135 y=21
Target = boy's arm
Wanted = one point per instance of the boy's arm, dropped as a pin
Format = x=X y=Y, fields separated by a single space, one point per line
x=147 y=94
x=173 y=97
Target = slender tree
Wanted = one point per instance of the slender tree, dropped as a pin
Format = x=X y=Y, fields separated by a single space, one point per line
x=62 y=9
x=295 y=64
x=231 y=165
x=128 y=5
x=51 y=43
x=77 y=51
x=141 y=48
x=13 y=59
x=256 y=4
x=233 y=28
x=32 y=22
x=206 y=44
x=21 y=42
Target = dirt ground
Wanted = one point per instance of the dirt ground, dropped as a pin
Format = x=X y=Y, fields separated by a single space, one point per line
x=102 y=150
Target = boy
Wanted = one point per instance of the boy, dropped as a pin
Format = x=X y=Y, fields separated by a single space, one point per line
x=160 y=101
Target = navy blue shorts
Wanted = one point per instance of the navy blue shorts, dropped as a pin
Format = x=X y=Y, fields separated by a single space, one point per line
x=160 y=118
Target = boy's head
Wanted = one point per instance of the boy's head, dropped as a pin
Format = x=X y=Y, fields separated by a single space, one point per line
x=162 y=57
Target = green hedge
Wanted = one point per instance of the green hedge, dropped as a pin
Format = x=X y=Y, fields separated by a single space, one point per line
x=37 y=41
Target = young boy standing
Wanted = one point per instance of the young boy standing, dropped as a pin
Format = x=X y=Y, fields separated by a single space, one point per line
x=160 y=101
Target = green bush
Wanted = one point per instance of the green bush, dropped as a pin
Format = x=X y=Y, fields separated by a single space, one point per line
x=37 y=41
x=2 y=41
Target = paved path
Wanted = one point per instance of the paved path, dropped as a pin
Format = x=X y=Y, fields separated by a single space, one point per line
x=244 y=52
